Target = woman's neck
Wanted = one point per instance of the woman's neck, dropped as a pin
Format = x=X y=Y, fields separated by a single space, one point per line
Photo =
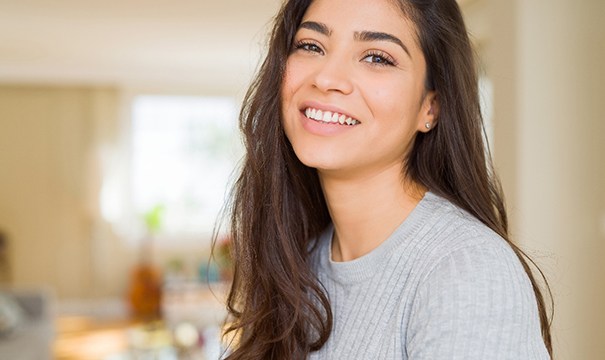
x=365 y=210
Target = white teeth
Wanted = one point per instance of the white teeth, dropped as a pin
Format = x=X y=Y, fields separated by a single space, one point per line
x=329 y=117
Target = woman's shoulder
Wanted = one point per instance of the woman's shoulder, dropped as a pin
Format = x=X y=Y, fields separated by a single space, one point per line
x=469 y=258
x=453 y=232
x=473 y=296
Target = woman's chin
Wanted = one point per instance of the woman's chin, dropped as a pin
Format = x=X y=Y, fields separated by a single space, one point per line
x=320 y=161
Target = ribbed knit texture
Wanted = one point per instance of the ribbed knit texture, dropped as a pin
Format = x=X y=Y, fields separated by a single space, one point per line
x=442 y=286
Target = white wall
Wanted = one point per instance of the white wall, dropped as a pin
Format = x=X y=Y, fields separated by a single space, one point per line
x=546 y=59
x=46 y=136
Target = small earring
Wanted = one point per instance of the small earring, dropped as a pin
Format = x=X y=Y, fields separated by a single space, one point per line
x=427 y=125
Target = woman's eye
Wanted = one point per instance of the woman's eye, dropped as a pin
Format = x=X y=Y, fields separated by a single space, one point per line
x=308 y=46
x=379 y=59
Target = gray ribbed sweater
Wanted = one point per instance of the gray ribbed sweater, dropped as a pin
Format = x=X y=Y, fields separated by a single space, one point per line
x=442 y=286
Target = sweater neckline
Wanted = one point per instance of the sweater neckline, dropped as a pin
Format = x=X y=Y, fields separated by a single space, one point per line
x=362 y=268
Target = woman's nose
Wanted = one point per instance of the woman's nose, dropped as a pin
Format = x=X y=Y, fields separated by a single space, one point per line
x=334 y=75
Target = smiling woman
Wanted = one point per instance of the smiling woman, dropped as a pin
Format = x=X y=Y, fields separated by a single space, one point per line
x=367 y=222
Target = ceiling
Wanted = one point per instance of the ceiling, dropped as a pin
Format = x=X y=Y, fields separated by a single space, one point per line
x=198 y=43
x=184 y=42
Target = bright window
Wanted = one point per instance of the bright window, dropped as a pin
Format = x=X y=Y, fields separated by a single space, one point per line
x=184 y=152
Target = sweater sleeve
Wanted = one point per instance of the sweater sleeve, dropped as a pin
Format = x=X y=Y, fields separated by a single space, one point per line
x=476 y=303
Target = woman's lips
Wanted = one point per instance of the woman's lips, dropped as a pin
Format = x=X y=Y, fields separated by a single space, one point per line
x=331 y=117
x=325 y=128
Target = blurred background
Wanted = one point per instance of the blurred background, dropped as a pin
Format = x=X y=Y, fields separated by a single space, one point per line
x=118 y=141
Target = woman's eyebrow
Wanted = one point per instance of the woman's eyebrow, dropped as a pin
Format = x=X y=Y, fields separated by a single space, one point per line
x=315 y=26
x=359 y=35
x=380 y=36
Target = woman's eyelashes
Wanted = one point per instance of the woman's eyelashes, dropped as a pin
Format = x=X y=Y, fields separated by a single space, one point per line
x=379 y=58
x=374 y=57
x=308 y=46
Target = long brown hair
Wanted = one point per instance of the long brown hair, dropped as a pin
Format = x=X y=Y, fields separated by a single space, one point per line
x=277 y=307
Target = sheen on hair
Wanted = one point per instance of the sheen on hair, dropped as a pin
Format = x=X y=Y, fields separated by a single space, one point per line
x=277 y=307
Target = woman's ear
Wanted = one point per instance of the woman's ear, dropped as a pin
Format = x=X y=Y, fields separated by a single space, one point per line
x=429 y=112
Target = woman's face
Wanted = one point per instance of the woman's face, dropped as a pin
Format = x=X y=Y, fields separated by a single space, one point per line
x=353 y=93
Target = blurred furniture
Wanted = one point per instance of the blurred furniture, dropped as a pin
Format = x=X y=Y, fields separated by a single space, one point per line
x=192 y=314
x=83 y=337
x=32 y=330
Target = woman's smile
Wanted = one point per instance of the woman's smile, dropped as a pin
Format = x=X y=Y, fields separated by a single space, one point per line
x=329 y=117
x=326 y=120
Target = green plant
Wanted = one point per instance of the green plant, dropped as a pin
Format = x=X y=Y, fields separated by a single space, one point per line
x=154 y=219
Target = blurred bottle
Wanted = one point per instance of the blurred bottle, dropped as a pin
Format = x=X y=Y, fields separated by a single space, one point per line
x=145 y=291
